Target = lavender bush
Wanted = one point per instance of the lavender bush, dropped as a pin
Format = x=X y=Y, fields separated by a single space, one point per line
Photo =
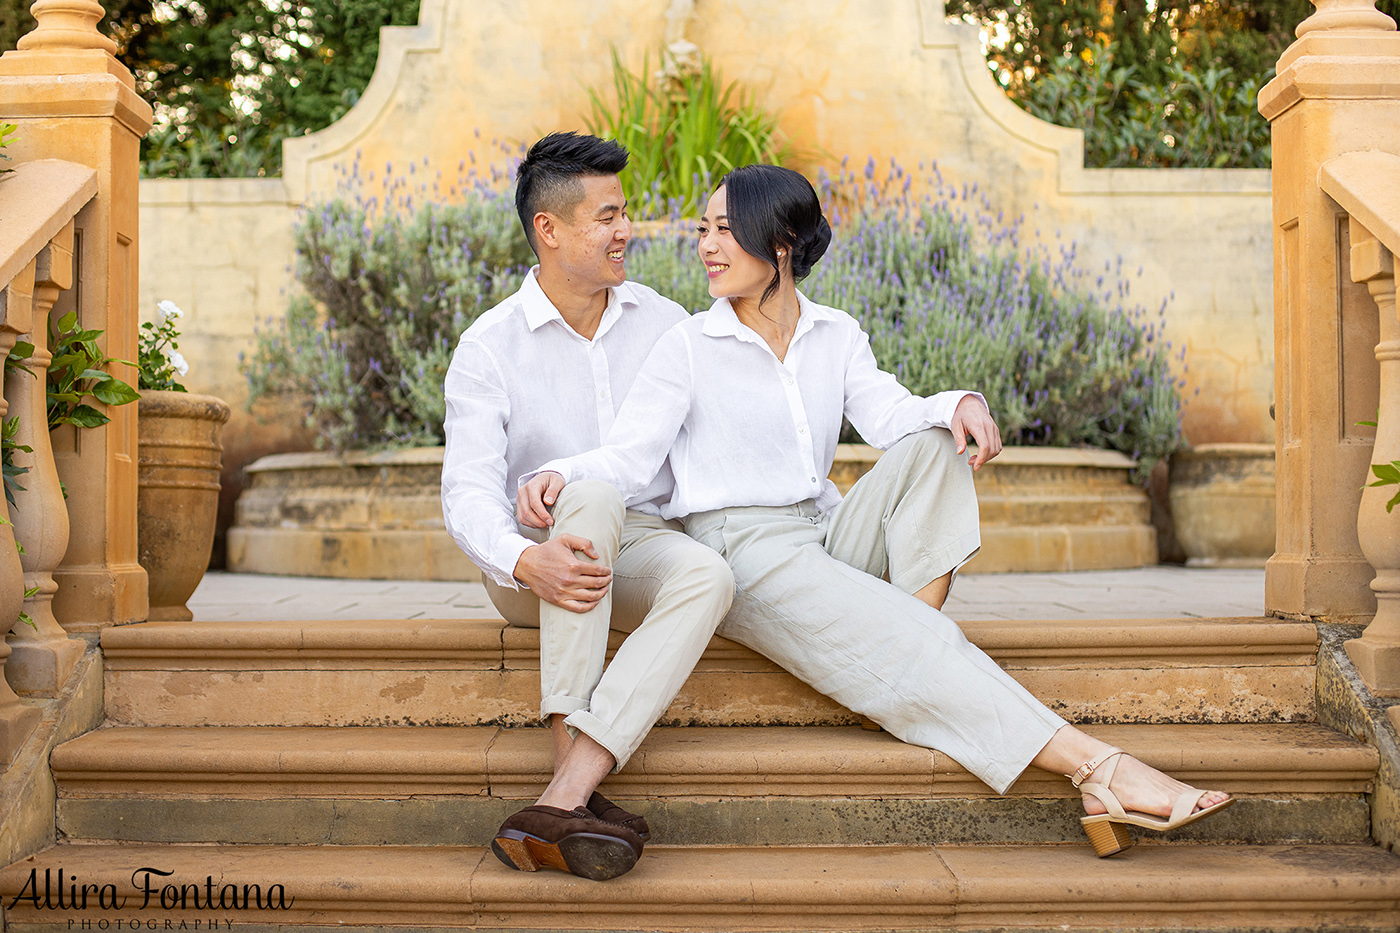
x=951 y=294
x=390 y=279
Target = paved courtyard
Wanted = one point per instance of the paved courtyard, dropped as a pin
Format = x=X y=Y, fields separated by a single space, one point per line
x=1154 y=592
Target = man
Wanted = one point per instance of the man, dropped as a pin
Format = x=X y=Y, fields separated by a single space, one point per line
x=541 y=376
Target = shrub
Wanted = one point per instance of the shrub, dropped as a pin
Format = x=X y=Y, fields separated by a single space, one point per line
x=683 y=132
x=950 y=293
x=390 y=282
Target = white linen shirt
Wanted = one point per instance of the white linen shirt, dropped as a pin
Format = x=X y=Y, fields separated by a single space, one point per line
x=745 y=428
x=524 y=387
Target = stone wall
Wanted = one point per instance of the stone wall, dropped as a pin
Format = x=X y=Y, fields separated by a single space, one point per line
x=888 y=78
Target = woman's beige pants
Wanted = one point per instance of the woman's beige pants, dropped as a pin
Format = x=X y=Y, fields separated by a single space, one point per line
x=810 y=598
x=668 y=591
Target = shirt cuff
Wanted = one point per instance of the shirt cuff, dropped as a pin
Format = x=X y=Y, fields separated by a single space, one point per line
x=553 y=466
x=505 y=557
x=945 y=405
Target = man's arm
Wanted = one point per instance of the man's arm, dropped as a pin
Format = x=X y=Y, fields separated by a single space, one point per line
x=474 y=504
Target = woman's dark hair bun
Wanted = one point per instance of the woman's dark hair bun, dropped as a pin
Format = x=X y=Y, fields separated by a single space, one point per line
x=772 y=208
x=806 y=253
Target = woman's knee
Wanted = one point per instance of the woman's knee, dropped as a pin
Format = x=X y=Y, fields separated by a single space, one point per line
x=588 y=494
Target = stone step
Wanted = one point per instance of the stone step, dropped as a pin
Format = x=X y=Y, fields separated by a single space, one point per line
x=1197 y=887
x=478 y=672
x=762 y=786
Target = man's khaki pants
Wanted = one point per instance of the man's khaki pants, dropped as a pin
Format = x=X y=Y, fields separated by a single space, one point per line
x=811 y=599
x=668 y=591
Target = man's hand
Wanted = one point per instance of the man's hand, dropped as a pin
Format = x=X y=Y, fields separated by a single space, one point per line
x=972 y=417
x=558 y=576
x=532 y=501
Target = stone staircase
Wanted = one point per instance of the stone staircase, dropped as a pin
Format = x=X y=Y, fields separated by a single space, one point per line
x=362 y=765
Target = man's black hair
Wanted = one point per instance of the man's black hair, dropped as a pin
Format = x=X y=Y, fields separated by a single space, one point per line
x=548 y=178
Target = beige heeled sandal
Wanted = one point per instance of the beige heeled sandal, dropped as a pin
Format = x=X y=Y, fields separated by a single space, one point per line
x=1108 y=832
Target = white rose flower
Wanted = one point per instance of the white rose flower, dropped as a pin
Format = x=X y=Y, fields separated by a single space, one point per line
x=168 y=311
x=178 y=362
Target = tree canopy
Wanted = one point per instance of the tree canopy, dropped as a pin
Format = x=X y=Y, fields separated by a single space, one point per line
x=1151 y=82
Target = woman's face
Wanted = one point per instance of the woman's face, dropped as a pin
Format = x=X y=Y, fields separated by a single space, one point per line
x=733 y=273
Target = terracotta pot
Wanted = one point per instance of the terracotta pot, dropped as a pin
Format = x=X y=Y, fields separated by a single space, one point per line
x=1222 y=499
x=177 y=498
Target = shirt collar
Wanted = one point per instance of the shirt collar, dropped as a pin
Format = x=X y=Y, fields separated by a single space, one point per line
x=539 y=310
x=721 y=321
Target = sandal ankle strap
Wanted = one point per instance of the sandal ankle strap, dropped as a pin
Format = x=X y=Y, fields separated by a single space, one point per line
x=1081 y=774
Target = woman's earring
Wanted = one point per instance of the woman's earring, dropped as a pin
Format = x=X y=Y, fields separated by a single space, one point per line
x=780 y=254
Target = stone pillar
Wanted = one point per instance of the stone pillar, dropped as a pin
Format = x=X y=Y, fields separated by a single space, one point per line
x=1335 y=93
x=74 y=101
x=1377 y=653
x=17 y=719
x=44 y=654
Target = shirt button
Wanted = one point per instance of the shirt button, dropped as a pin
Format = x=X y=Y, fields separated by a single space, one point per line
x=788 y=380
x=802 y=430
x=811 y=479
x=603 y=394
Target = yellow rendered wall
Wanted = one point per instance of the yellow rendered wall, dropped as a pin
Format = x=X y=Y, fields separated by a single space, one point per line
x=887 y=78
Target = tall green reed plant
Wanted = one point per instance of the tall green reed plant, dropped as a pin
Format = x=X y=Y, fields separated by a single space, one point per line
x=683 y=132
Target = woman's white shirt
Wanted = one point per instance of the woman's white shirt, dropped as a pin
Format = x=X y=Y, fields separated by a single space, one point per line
x=745 y=428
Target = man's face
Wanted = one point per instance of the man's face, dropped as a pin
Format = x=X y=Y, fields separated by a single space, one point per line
x=593 y=242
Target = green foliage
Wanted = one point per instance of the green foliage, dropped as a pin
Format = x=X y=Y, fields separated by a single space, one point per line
x=682 y=133
x=7 y=134
x=76 y=373
x=9 y=428
x=158 y=360
x=1387 y=474
x=1191 y=118
x=1162 y=83
x=230 y=79
x=389 y=285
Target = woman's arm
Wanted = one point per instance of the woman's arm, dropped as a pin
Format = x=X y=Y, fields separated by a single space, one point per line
x=640 y=438
x=881 y=409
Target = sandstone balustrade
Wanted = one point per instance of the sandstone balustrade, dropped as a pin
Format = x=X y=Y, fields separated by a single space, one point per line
x=1335 y=112
x=73 y=100
x=1367 y=186
x=40 y=200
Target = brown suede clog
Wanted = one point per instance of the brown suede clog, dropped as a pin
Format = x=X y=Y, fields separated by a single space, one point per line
x=575 y=841
x=605 y=809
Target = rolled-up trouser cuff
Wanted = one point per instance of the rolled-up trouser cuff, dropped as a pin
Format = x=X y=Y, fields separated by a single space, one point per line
x=560 y=705
x=598 y=731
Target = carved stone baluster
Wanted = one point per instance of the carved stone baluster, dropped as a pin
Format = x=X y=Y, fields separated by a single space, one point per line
x=44 y=654
x=1376 y=653
x=17 y=719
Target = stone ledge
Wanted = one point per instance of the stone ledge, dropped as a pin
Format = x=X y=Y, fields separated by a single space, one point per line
x=700 y=762
x=491 y=644
x=27 y=792
x=1345 y=704
x=775 y=888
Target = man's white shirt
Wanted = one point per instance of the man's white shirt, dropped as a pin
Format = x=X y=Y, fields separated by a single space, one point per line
x=524 y=388
x=742 y=427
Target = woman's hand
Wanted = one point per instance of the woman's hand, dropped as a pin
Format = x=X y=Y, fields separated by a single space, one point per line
x=972 y=417
x=532 y=501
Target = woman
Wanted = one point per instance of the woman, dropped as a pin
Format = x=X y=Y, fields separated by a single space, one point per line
x=747 y=400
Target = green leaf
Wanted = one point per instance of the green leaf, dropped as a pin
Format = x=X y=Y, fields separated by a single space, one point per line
x=67 y=322
x=85 y=416
x=1387 y=473
x=22 y=350
x=114 y=392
